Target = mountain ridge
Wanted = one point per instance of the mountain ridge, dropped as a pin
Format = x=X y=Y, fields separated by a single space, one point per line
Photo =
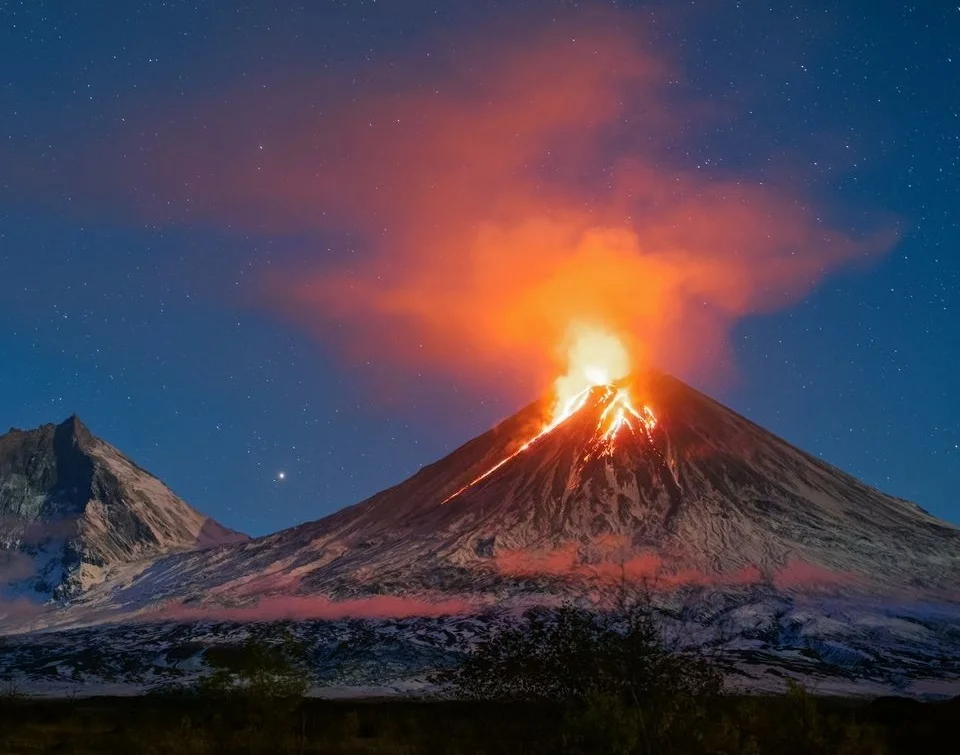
x=72 y=506
x=700 y=496
x=727 y=530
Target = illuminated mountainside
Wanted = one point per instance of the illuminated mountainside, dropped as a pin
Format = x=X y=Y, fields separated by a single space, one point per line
x=786 y=565
x=73 y=506
x=683 y=491
x=701 y=489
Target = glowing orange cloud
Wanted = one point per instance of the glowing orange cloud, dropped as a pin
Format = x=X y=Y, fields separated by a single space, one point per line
x=478 y=204
x=530 y=193
x=301 y=607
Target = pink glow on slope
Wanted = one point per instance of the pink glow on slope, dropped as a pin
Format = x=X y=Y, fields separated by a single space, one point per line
x=297 y=607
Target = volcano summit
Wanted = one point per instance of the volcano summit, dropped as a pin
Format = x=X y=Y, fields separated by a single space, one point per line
x=640 y=481
x=672 y=488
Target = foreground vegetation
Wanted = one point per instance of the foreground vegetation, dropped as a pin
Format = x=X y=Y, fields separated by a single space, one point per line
x=186 y=724
x=561 y=681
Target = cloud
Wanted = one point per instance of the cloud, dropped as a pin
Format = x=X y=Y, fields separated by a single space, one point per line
x=500 y=215
x=800 y=574
x=610 y=560
x=14 y=612
x=609 y=564
x=458 y=213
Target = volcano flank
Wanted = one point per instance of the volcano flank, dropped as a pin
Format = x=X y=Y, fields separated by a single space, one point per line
x=646 y=479
x=697 y=491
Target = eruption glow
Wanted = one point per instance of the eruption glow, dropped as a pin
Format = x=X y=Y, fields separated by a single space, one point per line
x=596 y=360
x=621 y=414
x=454 y=215
x=594 y=357
x=490 y=249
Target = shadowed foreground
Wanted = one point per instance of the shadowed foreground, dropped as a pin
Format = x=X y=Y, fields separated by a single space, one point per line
x=793 y=723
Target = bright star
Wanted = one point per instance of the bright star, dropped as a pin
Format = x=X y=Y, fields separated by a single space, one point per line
x=281 y=476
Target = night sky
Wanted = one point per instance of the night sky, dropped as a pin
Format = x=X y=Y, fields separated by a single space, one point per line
x=135 y=297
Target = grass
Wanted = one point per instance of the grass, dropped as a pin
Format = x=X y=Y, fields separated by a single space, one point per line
x=187 y=725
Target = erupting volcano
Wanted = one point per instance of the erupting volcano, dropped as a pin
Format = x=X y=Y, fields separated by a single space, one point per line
x=596 y=358
x=617 y=414
x=617 y=472
x=613 y=473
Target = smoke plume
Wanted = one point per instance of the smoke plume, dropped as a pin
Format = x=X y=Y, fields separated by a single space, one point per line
x=465 y=210
x=530 y=191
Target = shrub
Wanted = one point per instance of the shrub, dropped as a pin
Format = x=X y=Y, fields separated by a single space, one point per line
x=257 y=669
x=621 y=689
x=572 y=654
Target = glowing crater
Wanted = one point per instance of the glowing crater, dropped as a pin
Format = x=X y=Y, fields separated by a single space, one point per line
x=618 y=415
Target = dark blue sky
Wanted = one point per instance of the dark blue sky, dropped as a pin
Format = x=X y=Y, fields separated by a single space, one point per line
x=143 y=322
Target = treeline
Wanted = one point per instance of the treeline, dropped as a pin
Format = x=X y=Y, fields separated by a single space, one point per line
x=182 y=725
x=562 y=681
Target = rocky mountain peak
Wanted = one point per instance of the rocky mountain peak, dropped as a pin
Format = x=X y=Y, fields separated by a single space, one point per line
x=72 y=507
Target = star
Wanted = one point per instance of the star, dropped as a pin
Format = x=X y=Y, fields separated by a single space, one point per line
x=281 y=476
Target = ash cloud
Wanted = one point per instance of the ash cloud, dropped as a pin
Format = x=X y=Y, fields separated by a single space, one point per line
x=501 y=207
x=458 y=212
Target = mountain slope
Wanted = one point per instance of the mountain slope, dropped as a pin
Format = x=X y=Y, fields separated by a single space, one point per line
x=703 y=488
x=783 y=565
x=72 y=506
x=682 y=493
x=704 y=491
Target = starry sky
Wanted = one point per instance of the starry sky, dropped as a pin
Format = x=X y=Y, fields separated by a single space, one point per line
x=139 y=308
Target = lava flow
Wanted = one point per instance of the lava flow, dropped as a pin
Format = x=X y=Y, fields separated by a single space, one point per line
x=596 y=360
x=623 y=415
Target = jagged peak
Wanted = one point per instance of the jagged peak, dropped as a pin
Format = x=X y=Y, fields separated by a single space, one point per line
x=73 y=431
x=72 y=425
x=90 y=507
x=73 y=421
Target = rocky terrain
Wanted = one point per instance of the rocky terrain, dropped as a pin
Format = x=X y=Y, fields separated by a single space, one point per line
x=742 y=543
x=73 y=507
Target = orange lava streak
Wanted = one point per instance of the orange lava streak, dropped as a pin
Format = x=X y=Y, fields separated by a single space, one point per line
x=572 y=406
x=624 y=415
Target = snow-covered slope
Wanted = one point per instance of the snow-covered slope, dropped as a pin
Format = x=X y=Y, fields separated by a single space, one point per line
x=73 y=507
x=728 y=530
x=830 y=645
x=700 y=496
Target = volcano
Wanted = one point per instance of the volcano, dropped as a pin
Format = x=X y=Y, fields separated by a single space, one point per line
x=646 y=479
x=679 y=489
x=732 y=533
x=73 y=507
